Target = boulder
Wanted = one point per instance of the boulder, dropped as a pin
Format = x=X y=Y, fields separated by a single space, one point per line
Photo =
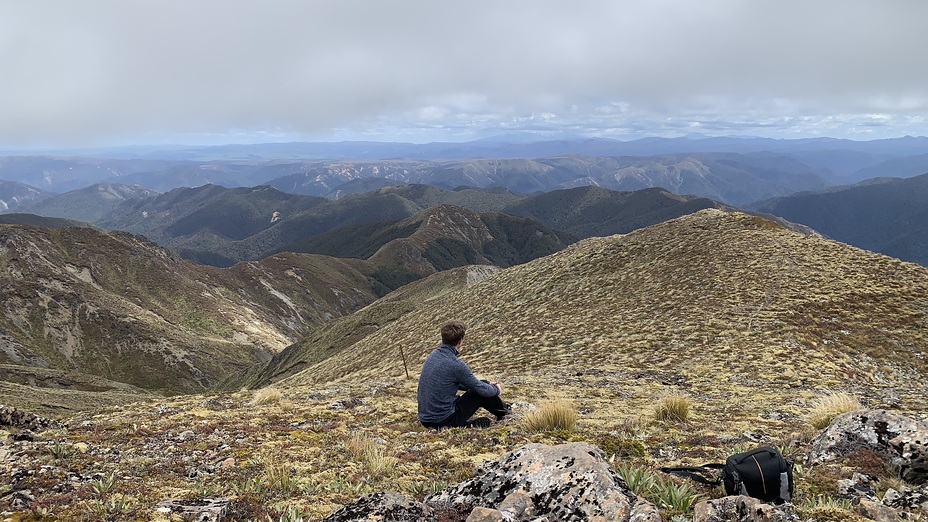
x=385 y=506
x=901 y=440
x=566 y=482
x=741 y=509
x=10 y=416
x=196 y=510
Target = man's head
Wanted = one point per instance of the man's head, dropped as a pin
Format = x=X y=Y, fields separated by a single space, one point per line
x=452 y=332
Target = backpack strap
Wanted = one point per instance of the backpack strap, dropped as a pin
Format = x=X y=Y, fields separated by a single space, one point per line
x=697 y=473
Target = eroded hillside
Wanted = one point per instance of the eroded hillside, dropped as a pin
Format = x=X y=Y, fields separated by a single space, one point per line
x=119 y=307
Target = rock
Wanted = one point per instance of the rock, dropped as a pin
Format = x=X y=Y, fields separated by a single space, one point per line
x=539 y=482
x=876 y=511
x=10 y=416
x=347 y=404
x=482 y=514
x=197 y=510
x=382 y=507
x=908 y=499
x=858 y=486
x=902 y=441
x=741 y=509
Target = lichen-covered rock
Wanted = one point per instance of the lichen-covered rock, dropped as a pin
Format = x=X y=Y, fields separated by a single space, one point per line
x=858 y=486
x=10 y=416
x=382 y=507
x=567 y=482
x=202 y=510
x=901 y=440
x=909 y=499
x=741 y=509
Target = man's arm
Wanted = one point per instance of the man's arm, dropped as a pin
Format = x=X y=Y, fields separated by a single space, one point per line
x=469 y=381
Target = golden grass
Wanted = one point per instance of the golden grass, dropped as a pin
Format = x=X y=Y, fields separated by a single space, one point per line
x=551 y=416
x=267 y=396
x=673 y=408
x=826 y=408
x=375 y=458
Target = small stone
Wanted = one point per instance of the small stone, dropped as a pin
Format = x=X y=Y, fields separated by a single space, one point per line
x=877 y=511
x=482 y=514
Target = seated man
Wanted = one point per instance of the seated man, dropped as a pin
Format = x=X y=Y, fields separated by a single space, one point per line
x=443 y=374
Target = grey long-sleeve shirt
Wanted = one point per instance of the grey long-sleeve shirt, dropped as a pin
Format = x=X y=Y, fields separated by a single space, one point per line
x=443 y=374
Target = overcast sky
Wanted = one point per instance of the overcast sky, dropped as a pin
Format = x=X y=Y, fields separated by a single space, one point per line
x=81 y=73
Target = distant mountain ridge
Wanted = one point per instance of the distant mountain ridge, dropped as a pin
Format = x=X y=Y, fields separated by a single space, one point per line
x=885 y=215
x=14 y=195
x=731 y=170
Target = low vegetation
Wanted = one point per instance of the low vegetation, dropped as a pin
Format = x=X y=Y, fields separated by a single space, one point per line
x=826 y=408
x=673 y=408
x=551 y=416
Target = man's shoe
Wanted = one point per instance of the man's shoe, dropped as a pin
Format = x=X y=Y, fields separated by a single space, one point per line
x=479 y=422
x=507 y=409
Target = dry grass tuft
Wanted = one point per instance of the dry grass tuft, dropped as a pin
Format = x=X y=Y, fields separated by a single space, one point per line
x=266 y=396
x=826 y=408
x=552 y=416
x=375 y=458
x=673 y=408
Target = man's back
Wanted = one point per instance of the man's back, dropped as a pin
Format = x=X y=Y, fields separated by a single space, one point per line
x=443 y=374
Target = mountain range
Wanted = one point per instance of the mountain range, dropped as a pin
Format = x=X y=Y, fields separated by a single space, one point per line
x=887 y=215
x=736 y=171
x=747 y=320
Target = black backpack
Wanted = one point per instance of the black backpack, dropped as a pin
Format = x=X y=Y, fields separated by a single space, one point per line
x=761 y=473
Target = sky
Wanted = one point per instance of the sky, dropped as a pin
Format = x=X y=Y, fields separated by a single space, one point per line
x=105 y=73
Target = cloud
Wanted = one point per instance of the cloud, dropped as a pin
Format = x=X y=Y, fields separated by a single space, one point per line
x=109 y=71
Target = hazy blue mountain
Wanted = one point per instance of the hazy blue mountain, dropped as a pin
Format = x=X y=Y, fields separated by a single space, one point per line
x=89 y=204
x=63 y=174
x=14 y=195
x=887 y=215
x=905 y=167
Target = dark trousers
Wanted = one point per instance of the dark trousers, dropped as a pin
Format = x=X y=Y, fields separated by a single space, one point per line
x=466 y=405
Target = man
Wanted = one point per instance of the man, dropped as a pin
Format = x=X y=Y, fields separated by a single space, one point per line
x=443 y=374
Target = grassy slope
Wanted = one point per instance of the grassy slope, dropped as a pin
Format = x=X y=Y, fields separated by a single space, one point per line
x=748 y=320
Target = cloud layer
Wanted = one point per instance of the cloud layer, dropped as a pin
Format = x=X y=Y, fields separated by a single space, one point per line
x=102 y=72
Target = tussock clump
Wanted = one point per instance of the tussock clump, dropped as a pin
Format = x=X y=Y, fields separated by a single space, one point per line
x=826 y=408
x=375 y=458
x=551 y=416
x=266 y=396
x=673 y=408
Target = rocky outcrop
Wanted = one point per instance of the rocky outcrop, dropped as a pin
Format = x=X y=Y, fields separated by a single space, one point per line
x=383 y=507
x=12 y=417
x=901 y=440
x=540 y=482
x=741 y=509
x=567 y=482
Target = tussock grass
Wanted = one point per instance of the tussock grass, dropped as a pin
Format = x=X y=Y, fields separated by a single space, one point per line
x=376 y=458
x=673 y=408
x=551 y=416
x=266 y=396
x=826 y=408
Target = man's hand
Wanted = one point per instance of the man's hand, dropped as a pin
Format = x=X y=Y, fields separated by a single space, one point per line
x=498 y=387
